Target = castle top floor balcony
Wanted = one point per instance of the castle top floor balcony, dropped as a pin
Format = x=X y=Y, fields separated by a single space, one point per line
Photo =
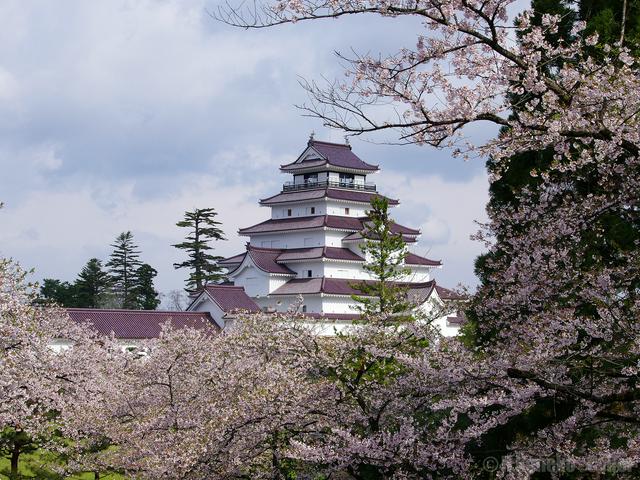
x=311 y=184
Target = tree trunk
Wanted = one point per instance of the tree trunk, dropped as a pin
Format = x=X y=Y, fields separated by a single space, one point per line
x=15 y=456
x=96 y=475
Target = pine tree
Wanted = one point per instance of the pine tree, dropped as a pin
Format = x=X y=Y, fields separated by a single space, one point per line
x=123 y=270
x=92 y=285
x=147 y=295
x=385 y=252
x=204 y=266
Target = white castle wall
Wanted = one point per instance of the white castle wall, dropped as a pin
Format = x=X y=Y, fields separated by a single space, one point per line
x=335 y=304
x=255 y=281
x=320 y=207
x=312 y=238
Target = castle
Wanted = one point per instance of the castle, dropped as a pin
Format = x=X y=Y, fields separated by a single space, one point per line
x=310 y=248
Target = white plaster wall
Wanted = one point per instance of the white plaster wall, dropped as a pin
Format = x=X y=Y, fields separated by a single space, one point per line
x=207 y=305
x=302 y=209
x=311 y=238
x=331 y=304
x=418 y=275
x=334 y=238
x=338 y=209
x=447 y=329
x=346 y=270
x=277 y=282
x=254 y=281
x=316 y=267
x=322 y=207
x=283 y=304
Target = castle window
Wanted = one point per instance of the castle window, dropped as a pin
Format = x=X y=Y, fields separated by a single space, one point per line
x=346 y=211
x=346 y=179
x=313 y=210
x=288 y=212
x=304 y=309
x=309 y=273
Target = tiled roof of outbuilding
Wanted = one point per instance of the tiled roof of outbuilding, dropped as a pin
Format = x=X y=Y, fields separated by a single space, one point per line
x=231 y=298
x=139 y=324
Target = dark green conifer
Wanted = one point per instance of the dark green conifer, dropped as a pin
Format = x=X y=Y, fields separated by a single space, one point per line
x=147 y=295
x=385 y=252
x=203 y=266
x=123 y=270
x=92 y=285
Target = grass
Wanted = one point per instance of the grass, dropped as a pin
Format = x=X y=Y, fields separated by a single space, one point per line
x=37 y=465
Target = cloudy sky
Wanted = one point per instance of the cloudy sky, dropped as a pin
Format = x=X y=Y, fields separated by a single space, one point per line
x=121 y=115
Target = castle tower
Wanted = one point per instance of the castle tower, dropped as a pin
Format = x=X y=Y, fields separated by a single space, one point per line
x=310 y=245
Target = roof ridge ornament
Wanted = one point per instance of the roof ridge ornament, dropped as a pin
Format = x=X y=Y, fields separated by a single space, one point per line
x=311 y=135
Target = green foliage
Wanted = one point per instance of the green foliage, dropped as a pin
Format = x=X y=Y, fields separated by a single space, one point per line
x=614 y=235
x=44 y=465
x=58 y=292
x=203 y=228
x=92 y=285
x=606 y=242
x=147 y=295
x=123 y=270
x=385 y=252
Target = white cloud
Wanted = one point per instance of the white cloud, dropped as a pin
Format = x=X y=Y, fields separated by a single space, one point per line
x=121 y=115
x=446 y=211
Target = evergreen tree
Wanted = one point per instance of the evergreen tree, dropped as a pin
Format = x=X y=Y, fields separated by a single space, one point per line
x=147 y=295
x=92 y=285
x=123 y=270
x=59 y=292
x=605 y=249
x=203 y=228
x=525 y=170
x=385 y=252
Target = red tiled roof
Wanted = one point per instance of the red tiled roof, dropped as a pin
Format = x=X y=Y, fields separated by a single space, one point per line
x=139 y=324
x=355 y=224
x=265 y=256
x=336 y=154
x=284 y=224
x=231 y=298
x=265 y=260
x=233 y=260
x=333 y=253
x=413 y=259
x=447 y=294
x=316 y=194
x=334 y=286
x=357 y=237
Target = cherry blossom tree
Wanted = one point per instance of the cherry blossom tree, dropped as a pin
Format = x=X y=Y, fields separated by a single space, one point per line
x=556 y=327
x=202 y=405
x=47 y=363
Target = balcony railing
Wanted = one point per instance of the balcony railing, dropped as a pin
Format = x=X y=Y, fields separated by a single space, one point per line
x=290 y=186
